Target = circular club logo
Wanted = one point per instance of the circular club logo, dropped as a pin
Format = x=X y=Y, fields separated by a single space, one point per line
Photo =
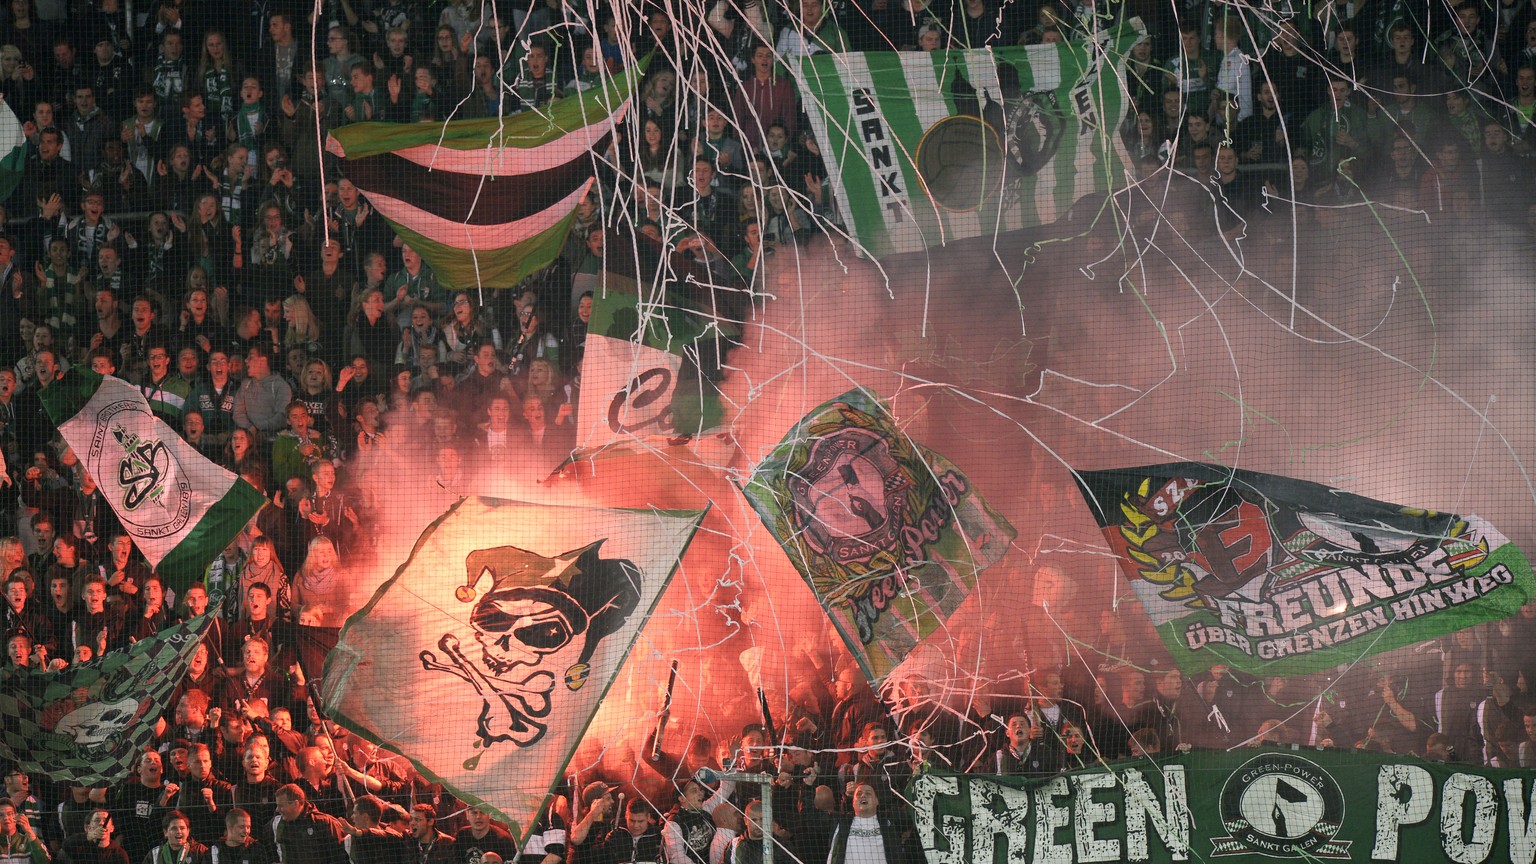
x=645 y=401
x=1281 y=806
x=154 y=494
x=848 y=498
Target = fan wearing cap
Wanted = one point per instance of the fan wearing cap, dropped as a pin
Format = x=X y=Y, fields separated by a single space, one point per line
x=598 y=807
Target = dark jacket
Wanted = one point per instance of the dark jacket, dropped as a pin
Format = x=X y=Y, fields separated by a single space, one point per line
x=195 y=852
x=313 y=838
x=438 y=851
x=251 y=852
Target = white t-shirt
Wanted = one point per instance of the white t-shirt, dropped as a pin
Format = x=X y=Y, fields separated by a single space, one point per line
x=865 y=844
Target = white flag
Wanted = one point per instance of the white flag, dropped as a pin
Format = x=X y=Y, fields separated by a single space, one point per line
x=487 y=654
x=180 y=508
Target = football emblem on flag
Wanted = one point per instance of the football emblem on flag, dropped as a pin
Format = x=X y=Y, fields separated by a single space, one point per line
x=960 y=159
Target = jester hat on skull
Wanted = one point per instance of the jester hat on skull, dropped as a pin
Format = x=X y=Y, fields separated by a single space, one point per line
x=583 y=595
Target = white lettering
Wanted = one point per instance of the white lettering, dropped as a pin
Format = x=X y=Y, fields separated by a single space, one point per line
x=1087 y=814
x=1050 y=817
x=924 y=791
x=1404 y=794
x=999 y=814
x=1172 y=822
x=1522 y=821
x=1485 y=818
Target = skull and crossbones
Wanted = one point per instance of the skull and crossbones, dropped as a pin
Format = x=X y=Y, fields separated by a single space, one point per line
x=539 y=623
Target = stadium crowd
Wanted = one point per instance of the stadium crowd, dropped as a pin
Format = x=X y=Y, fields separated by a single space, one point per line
x=177 y=224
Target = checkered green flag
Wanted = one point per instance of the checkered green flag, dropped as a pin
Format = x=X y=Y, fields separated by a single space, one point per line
x=87 y=724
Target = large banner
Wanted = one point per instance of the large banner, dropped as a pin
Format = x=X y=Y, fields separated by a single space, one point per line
x=1280 y=576
x=1239 y=805
x=488 y=201
x=929 y=147
x=889 y=535
x=484 y=658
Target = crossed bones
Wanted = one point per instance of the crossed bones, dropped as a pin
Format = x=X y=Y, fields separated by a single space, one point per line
x=523 y=700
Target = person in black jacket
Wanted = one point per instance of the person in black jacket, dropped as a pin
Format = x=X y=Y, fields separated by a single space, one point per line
x=304 y=835
x=180 y=847
x=482 y=837
x=638 y=839
x=238 y=845
x=95 y=846
x=431 y=845
x=371 y=844
x=204 y=796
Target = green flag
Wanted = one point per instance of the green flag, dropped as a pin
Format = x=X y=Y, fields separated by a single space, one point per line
x=926 y=148
x=87 y=724
x=180 y=509
x=13 y=151
x=890 y=536
x=488 y=201
x=647 y=370
x=1243 y=805
x=1277 y=576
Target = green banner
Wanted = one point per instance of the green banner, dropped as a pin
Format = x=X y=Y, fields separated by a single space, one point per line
x=1278 y=576
x=889 y=535
x=930 y=147
x=88 y=723
x=1240 y=805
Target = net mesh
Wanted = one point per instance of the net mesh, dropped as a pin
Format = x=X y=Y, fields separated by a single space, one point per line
x=868 y=293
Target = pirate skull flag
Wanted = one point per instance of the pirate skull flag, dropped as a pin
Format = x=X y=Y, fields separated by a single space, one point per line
x=506 y=627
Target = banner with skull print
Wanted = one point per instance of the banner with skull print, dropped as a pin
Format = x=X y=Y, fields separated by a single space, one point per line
x=889 y=535
x=485 y=656
x=86 y=725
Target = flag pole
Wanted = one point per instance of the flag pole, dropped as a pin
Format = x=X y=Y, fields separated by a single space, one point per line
x=765 y=786
x=312 y=690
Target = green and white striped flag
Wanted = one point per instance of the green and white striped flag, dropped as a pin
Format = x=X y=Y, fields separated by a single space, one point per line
x=926 y=148
x=485 y=202
x=13 y=151
x=180 y=508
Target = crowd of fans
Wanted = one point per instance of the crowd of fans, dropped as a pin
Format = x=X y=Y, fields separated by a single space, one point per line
x=178 y=224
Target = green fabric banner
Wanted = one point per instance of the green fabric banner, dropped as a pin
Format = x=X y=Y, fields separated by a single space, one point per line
x=889 y=535
x=1240 y=805
x=88 y=723
x=1278 y=576
x=930 y=147
x=179 y=507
